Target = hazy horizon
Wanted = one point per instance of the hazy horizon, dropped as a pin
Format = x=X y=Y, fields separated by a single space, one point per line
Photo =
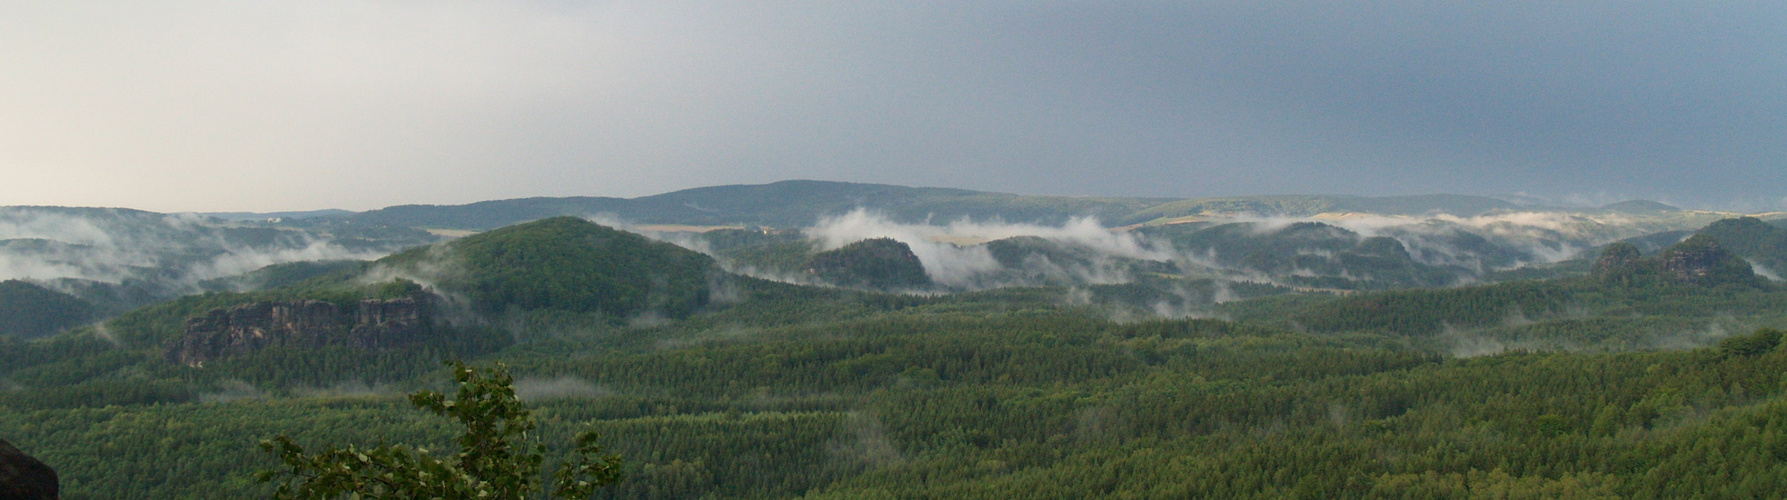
x=1524 y=199
x=1574 y=200
x=207 y=106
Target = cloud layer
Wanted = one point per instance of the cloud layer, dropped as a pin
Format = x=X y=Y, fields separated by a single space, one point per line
x=172 y=251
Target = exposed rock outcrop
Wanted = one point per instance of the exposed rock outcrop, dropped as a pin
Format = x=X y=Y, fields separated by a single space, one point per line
x=303 y=324
x=383 y=324
x=1617 y=257
x=23 y=477
x=1700 y=259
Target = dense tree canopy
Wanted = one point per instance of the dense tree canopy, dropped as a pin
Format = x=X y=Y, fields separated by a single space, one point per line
x=567 y=264
x=1583 y=387
x=882 y=263
x=28 y=310
x=494 y=461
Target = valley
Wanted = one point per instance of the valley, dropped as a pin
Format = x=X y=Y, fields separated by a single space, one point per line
x=808 y=339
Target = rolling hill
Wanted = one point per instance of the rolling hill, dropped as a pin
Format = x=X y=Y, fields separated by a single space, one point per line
x=565 y=264
x=1638 y=378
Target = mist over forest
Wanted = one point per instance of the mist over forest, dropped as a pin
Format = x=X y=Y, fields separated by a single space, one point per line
x=844 y=340
x=847 y=250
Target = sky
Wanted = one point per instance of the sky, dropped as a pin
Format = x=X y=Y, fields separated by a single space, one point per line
x=246 y=105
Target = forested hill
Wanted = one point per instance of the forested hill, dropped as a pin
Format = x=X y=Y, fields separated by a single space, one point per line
x=118 y=259
x=1690 y=292
x=28 y=310
x=565 y=264
x=1081 y=369
x=560 y=265
x=1653 y=376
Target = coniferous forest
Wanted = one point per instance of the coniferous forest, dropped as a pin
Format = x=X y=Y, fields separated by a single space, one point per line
x=1623 y=373
x=475 y=250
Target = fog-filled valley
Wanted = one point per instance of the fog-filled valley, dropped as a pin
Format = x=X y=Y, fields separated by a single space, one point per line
x=838 y=340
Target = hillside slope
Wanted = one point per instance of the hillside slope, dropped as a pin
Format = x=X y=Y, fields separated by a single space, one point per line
x=28 y=310
x=566 y=264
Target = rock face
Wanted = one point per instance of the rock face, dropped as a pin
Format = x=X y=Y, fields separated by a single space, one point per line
x=1700 y=259
x=1617 y=257
x=383 y=324
x=305 y=324
x=25 y=478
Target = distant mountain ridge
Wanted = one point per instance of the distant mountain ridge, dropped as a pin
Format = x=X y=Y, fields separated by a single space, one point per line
x=799 y=203
x=780 y=204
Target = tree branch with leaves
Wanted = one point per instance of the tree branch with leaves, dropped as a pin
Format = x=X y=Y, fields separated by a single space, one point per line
x=496 y=458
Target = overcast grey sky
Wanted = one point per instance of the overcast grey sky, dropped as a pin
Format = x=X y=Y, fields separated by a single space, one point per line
x=188 y=105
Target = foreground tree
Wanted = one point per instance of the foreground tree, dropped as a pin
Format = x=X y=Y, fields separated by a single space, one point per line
x=495 y=460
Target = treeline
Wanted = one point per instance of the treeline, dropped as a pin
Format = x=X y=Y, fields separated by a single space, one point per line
x=954 y=398
x=770 y=390
x=1313 y=254
x=1628 y=302
x=28 y=310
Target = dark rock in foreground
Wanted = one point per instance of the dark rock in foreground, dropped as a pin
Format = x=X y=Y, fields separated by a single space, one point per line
x=25 y=478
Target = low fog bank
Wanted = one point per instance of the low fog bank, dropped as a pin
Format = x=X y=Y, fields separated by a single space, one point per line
x=1493 y=242
x=169 y=252
x=563 y=387
x=955 y=254
x=961 y=254
x=1180 y=270
x=1666 y=334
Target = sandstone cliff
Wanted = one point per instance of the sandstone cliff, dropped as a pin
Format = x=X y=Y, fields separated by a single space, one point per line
x=304 y=324
x=25 y=478
x=1617 y=257
x=1700 y=259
